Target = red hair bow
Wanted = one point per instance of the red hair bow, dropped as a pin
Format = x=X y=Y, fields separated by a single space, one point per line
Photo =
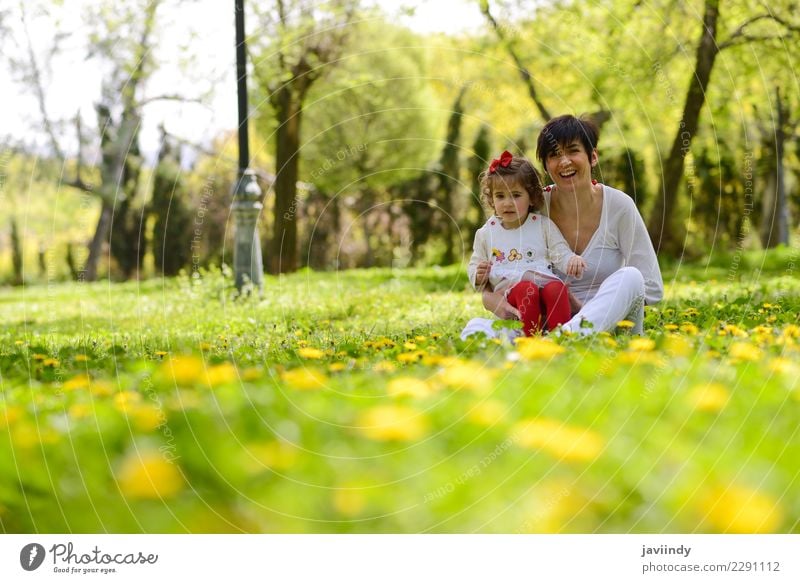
x=504 y=161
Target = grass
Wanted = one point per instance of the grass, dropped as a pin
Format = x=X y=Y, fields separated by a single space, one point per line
x=347 y=403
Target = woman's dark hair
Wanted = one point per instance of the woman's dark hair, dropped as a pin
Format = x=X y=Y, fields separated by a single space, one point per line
x=519 y=170
x=562 y=131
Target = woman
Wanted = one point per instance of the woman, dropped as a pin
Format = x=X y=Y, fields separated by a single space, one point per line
x=600 y=223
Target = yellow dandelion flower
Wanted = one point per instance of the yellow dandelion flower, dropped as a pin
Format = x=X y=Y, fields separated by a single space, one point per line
x=625 y=324
x=305 y=379
x=101 y=388
x=273 y=455
x=408 y=357
x=298 y=333
x=535 y=348
x=409 y=387
x=420 y=338
x=744 y=351
x=433 y=359
x=784 y=366
x=125 y=400
x=80 y=381
x=148 y=475
x=558 y=439
x=251 y=374
x=435 y=336
x=488 y=413
x=205 y=346
x=9 y=415
x=732 y=330
x=384 y=366
x=81 y=358
x=467 y=375
x=610 y=342
x=39 y=356
x=28 y=435
x=337 y=367
x=221 y=374
x=80 y=410
x=182 y=370
x=690 y=313
x=302 y=343
x=349 y=501
x=791 y=331
x=708 y=397
x=146 y=417
x=409 y=346
x=53 y=362
x=670 y=327
x=161 y=353
x=741 y=510
x=392 y=423
x=641 y=345
x=689 y=329
x=676 y=345
x=19 y=342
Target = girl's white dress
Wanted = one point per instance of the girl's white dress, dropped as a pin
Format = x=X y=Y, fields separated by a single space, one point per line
x=535 y=247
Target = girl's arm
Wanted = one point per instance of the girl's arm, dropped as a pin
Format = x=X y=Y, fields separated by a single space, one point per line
x=558 y=250
x=497 y=304
x=479 y=255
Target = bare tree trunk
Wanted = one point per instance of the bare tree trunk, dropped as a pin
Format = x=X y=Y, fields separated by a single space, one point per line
x=775 y=211
x=283 y=246
x=666 y=229
x=16 y=253
x=96 y=244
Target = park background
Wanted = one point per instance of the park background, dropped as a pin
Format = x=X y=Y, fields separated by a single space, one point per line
x=341 y=399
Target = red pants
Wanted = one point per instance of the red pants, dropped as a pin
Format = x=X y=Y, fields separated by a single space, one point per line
x=533 y=302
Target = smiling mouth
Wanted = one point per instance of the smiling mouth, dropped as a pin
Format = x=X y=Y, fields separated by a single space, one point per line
x=567 y=173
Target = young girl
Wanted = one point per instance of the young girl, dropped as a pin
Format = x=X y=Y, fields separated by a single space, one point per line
x=514 y=250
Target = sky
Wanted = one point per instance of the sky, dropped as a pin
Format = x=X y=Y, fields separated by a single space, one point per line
x=75 y=82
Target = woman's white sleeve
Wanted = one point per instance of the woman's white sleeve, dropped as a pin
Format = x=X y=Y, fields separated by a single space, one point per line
x=637 y=249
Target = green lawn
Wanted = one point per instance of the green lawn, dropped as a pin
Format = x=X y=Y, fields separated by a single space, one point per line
x=345 y=402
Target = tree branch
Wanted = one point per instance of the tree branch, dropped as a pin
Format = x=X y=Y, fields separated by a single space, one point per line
x=523 y=71
x=739 y=36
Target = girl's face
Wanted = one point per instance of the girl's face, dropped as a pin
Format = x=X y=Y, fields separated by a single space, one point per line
x=511 y=203
x=570 y=166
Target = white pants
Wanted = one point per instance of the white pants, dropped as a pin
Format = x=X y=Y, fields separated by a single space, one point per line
x=620 y=297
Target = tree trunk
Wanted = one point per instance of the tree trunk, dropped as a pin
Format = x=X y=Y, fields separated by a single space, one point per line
x=16 y=253
x=283 y=246
x=666 y=229
x=96 y=244
x=775 y=217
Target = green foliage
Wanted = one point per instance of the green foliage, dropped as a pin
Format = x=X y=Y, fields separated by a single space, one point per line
x=347 y=403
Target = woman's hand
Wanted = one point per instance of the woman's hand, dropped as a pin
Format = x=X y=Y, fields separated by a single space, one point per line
x=499 y=306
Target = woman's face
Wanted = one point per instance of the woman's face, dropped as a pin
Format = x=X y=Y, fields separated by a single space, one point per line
x=570 y=166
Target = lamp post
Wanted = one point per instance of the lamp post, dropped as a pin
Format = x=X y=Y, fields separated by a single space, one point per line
x=246 y=195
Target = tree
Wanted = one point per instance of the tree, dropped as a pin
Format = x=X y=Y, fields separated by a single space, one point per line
x=306 y=39
x=372 y=123
x=666 y=230
x=121 y=41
